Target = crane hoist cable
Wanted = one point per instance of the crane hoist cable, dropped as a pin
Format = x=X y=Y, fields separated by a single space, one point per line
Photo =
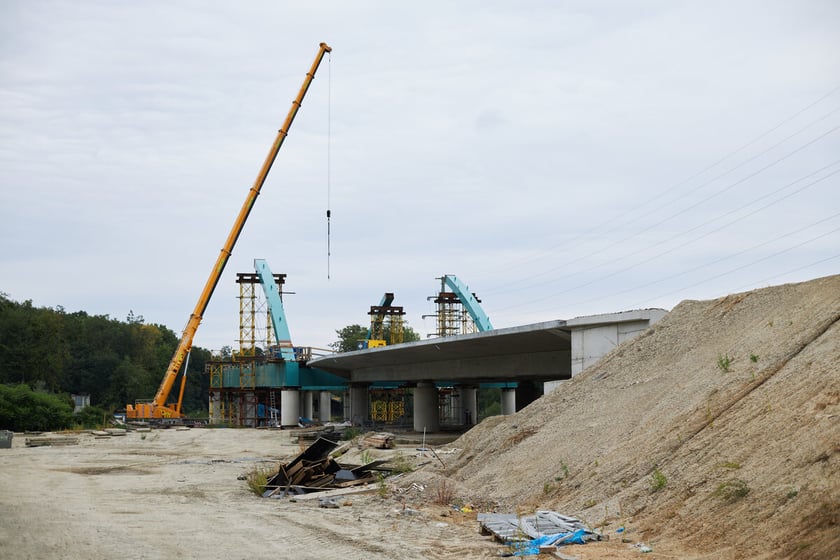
x=329 y=159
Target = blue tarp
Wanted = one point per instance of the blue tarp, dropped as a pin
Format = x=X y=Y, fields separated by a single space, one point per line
x=532 y=547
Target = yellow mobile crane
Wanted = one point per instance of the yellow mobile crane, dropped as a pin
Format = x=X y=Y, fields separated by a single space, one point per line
x=157 y=408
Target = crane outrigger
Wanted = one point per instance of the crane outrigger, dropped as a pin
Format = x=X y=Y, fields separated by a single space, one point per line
x=157 y=408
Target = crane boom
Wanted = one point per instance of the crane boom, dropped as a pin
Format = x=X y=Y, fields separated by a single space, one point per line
x=158 y=407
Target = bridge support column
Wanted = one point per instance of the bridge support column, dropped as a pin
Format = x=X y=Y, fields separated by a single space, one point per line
x=426 y=408
x=289 y=406
x=469 y=402
x=508 y=401
x=215 y=409
x=325 y=406
x=359 y=404
x=306 y=404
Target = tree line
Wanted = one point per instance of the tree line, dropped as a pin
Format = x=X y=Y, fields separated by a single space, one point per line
x=47 y=354
x=51 y=351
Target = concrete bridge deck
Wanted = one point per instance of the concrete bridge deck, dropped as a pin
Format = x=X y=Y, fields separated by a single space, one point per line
x=548 y=351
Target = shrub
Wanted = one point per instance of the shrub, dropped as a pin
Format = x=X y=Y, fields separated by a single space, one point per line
x=91 y=417
x=657 y=480
x=257 y=478
x=351 y=433
x=444 y=493
x=401 y=464
x=22 y=409
x=732 y=490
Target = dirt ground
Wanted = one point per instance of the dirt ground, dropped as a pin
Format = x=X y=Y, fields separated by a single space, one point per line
x=175 y=494
x=715 y=434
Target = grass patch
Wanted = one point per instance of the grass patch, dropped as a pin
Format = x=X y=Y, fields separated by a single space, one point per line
x=658 y=481
x=400 y=464
x=382 y=489
x=732 y=490
x=350 y=434
x=724 y=363
x=257 y=478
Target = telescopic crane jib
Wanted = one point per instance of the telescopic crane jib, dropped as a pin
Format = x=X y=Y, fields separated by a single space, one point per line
x=158 y=408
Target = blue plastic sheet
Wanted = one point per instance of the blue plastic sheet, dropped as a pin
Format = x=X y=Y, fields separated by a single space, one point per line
x=527 y=548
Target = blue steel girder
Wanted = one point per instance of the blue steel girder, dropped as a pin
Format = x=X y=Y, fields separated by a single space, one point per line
x=275 y=310
x=479 y=317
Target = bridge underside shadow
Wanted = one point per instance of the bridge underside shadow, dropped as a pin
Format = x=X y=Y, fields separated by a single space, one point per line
x=525 y=361
x=539 y=352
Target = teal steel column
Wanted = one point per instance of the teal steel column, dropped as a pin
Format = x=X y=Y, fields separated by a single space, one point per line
x=275 y=309
x=481 y=320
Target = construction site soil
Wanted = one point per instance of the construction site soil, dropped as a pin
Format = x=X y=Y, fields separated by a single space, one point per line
x=715 y=434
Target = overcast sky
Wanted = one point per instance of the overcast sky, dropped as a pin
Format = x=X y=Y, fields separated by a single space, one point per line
x=562 y=158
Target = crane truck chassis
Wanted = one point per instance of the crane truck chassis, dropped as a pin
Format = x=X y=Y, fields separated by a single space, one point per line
x=157 y=408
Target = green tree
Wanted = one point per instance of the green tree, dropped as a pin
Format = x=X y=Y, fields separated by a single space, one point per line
x=489 y=402
x=22 y=409
x=91 y=417
x=115 y=362
x=350 y=336
x=409 y=334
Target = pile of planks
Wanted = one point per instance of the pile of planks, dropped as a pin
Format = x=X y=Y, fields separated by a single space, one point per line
x=48 y=441
x=379 y=440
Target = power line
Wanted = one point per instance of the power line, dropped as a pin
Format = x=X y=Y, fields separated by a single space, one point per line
x=672 y=249
x=724 y=258
x=762 y=259
x=687 y=209
x=525 y=260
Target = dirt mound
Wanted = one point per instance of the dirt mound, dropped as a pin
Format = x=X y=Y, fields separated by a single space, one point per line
x=715 y=432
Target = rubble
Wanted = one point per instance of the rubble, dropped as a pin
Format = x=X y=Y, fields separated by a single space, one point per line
x=314 y=470
x=532 y=534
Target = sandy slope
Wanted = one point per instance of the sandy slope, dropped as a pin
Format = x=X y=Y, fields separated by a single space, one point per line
x=749 y=455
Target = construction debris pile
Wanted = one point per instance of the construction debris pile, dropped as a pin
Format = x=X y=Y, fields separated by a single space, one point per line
x=314 y=470
x=541 y=532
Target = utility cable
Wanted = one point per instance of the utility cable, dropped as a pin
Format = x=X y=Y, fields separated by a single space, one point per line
x=674 y=187
x=710 y=181
x=672 y=249
x=785 y=273
x=720 y=259
x=687 y=209
x=766 y=257
x=762 y=259
x=695 y=228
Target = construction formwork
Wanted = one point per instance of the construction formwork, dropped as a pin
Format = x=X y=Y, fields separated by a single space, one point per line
x=254 y=314
x=387 y=323
x=451 y=317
